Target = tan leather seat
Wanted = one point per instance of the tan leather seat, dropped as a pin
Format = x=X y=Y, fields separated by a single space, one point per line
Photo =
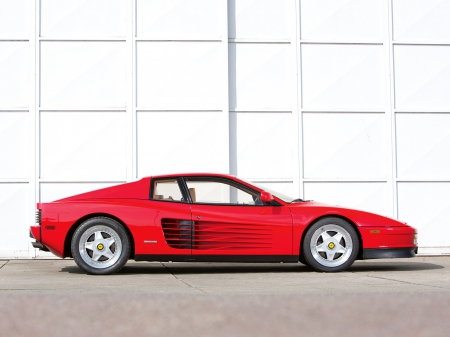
x=192 y=193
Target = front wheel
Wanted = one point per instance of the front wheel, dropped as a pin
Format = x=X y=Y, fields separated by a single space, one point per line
x=100 y=246
x=331 y=245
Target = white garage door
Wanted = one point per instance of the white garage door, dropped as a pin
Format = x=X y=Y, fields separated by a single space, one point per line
x=343 y=101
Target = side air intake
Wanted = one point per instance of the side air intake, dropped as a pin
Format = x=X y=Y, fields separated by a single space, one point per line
x=178 y=233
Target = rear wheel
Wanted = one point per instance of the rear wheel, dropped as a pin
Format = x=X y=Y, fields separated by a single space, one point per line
x=100 y=246
x=331 y=245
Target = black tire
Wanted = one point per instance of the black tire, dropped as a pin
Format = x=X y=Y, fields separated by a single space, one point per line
x=302 y=260
x=330 y=245
x=100 y=246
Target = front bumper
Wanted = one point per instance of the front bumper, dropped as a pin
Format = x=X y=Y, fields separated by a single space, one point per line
x=389 y=253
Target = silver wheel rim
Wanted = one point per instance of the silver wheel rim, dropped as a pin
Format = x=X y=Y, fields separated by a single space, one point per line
x=100 y=246
x=331 y=245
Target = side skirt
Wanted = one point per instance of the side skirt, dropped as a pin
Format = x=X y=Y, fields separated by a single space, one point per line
x=217 y=258
x=389 y=253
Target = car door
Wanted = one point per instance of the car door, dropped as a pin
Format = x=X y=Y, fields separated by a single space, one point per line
x=230 y=219
x=171 y=217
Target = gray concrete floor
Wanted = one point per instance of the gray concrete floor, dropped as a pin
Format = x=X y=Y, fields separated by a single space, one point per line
x=375 y=297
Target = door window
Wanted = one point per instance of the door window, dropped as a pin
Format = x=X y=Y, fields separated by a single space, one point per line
x=167 y=189
x=221 y=192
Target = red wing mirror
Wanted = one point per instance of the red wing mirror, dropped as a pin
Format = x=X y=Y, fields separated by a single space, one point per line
x=266 y=197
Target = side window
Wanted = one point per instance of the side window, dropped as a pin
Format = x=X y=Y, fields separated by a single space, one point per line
x=218 y=192
x=167 y=189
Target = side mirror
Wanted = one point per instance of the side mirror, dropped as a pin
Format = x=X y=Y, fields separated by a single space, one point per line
x=266 y=197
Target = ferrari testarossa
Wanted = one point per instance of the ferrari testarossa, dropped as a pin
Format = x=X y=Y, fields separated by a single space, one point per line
x=212 y=218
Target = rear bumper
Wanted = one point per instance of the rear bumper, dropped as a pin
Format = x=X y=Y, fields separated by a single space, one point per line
x=37 y=244
x=35 y=232
x=389 y=253
x=40 y=246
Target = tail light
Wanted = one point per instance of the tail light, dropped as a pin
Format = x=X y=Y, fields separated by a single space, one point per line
x=38 y=217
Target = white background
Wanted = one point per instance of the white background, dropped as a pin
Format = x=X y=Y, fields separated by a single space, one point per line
x=342 y=101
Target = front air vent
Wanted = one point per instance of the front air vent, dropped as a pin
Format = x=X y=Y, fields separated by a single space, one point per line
x=178 y=233
x=38 y=216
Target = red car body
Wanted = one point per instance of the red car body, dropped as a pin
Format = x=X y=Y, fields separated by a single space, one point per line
x=218 y=232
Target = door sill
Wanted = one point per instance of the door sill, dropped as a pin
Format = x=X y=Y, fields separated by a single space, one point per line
x=217 y=258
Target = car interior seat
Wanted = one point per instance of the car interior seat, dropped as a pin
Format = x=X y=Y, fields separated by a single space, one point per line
x=192 y=194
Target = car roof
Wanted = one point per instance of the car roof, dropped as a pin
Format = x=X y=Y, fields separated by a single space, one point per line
x=200 y=174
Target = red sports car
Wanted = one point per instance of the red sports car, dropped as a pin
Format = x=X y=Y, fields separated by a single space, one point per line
x=212 y=217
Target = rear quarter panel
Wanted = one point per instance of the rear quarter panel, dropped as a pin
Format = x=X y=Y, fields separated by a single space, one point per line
x=139 y=216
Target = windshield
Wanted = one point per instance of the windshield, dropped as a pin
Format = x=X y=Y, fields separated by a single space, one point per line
x=284 y=197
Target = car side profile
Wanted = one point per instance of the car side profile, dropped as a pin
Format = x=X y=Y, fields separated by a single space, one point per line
x=209 y=217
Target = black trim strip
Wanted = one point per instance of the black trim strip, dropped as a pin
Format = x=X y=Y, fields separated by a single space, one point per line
x=217 y=258
x=184 y=190
x=389 y=253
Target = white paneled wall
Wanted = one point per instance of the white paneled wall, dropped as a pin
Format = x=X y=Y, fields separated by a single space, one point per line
x=179 y=75
x=342 y=101
x=344 y=145
x=14 y=140
x=14 y=226
x=82 y=145
x=181 y=141
x=14 y=73
x=342 y=76
x=75 y=18
x=80 y=74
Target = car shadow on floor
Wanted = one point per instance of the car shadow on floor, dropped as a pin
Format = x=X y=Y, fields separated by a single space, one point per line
x=201 y=268
x=239 y=268
x=392 y=266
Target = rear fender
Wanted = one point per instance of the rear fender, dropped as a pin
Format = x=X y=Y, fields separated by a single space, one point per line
x=68 y=240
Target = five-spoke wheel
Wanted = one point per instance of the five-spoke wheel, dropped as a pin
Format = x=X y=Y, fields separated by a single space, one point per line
x=331 y=244
x=100 y=246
